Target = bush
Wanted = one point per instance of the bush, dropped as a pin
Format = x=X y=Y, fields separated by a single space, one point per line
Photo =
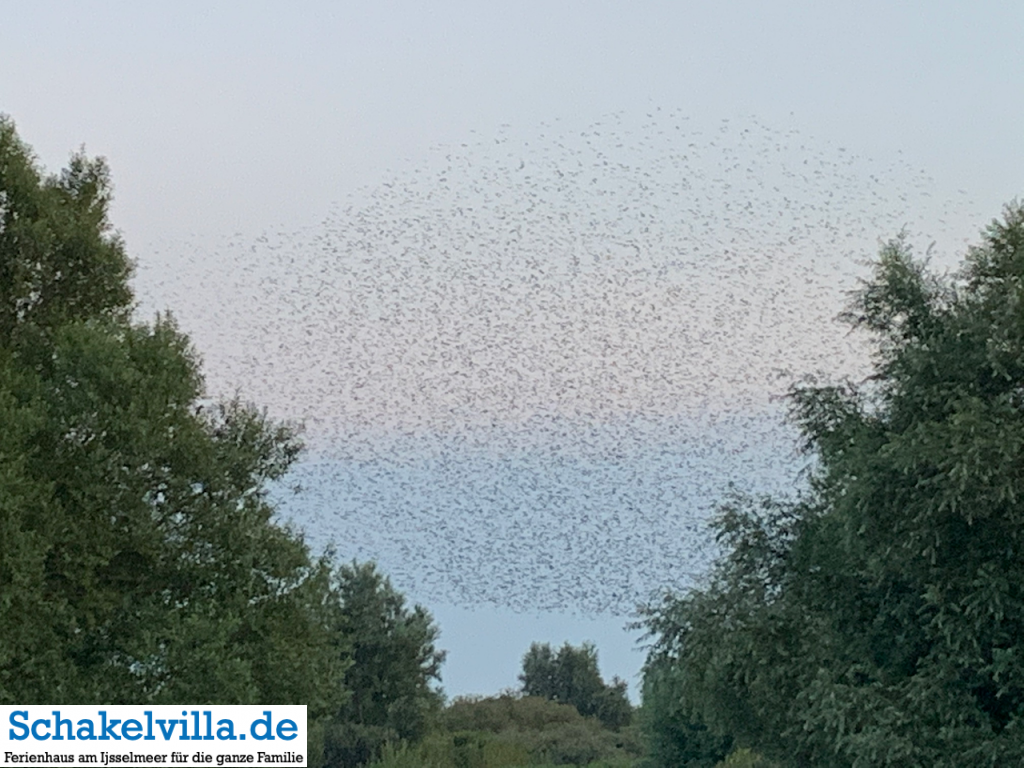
x=507 y=731
x=500 y=713
x=745 y=758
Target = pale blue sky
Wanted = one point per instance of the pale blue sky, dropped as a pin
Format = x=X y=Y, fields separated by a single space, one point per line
x=220 y=116
x=227 y=121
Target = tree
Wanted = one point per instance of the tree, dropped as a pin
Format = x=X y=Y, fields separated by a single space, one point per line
x=674 y=737
x=571 y=676
x=394 y=666
x=878 y=619
x=59 y=260
x=138 y=557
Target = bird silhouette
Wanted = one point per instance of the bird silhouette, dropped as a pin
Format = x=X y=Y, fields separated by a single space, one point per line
x=529 y=365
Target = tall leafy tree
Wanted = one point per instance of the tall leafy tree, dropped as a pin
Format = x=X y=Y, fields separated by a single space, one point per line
x=395 y=668
x=571 y=676
x=139 y=561
x=879 y=619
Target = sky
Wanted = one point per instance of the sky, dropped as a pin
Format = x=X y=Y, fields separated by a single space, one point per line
x=534 y=276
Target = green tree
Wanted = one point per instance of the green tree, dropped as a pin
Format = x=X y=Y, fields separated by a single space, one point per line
x=674 y=737
x=395 y=665
x=138 y=557
x=59 y=260
x=878 y=619
x=571 y=676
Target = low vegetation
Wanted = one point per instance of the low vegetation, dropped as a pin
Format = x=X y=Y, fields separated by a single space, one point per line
x=514 y=730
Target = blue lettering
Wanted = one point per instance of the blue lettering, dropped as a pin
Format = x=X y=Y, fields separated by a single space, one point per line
x=167 y=732
x=59 y=723
x=226 y=730
x=286 y=727
x=107 y=729
x=23 y=714
x=132 y=730
x=268 y=731
x=35 y=734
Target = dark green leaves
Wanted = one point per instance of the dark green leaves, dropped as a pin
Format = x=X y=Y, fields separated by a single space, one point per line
x=395 y=664
x=59 y=261
x=571 y=676
x=138 y=557
x=878 y=620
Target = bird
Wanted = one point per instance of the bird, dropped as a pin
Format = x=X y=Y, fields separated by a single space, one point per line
x=532 y=363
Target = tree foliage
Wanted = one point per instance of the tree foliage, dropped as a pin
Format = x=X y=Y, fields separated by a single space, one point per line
x=59 y=260
x=674 y=737
x=139 y=561
x=508 y=730
x=395 y=666
x=878 y=619
x=571 y=676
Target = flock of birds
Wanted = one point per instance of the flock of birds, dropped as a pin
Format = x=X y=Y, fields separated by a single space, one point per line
x=530 y=364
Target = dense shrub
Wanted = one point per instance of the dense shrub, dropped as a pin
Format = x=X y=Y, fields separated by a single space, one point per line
x=504 y=731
